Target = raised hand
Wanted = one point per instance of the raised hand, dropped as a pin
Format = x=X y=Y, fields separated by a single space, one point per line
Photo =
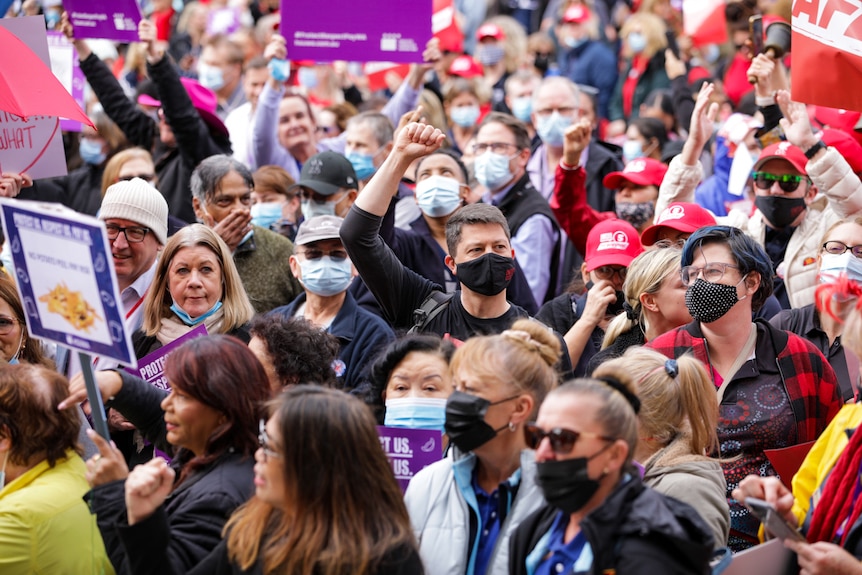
x=107 y=465
x=12 y=183
x=795 y=123
x=147 y=487
x=702 y=122
x=417 y=140
x=109 y=382
x=576 y=138
x=277 y=48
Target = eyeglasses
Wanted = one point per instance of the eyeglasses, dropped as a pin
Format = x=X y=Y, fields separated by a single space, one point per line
x=134 y=234
x=6 y=324
x=787 y=182
x=837 y=248
x=562 y=440
x=263 y=440
x=664 y=244
x=315 y=254
x=712 y=272
x=607 y=273
x=500 y=148
x=562 y=110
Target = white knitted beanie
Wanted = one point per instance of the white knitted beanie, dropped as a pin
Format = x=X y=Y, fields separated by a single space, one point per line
x=137 y=201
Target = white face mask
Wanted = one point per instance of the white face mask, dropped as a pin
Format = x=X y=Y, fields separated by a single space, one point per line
x=438 y=196
x=833 y=265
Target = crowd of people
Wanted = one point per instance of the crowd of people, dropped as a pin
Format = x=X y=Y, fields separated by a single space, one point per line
x=614 y=266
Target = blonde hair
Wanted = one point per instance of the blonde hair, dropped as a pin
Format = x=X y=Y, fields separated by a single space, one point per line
x=645 y=275
x=515 y=43
x=235 y=303
x=522 y=357
x=653 y=29
x=112 y=169
x=676 y=395
x=456 y=85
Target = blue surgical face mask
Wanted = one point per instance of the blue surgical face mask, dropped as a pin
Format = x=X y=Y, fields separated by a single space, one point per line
x=465 y=116
x=14 y=359
x=363 y=164
x=308 y=77
x=522 y=108
x=632 y=150
x=492 y=170
x=210 y=77
x=189 y=320
x=552 y=128
x=311 y=208
x=438 y=196
x=279 y=69
x=325 y=276
x=637 y=42
x=573 y=43
x=91 y=152
x=833 y=265
x=416 y=413
x=52 y=19
x=265 y=214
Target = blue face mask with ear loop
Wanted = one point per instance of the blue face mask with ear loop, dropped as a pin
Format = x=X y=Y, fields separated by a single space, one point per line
x=14 y=359
x=416 y=413
x=188 y=320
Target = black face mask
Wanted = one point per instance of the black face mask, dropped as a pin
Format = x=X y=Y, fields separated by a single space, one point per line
x=614 y=308
x=566 y=484
x=465 y=420
x=780 y=212
x=542 y=61
x=708 y=302
x=487 y=275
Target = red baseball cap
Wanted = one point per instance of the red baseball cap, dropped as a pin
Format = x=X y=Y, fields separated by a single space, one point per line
x=640 y=171
x=612 y=243
x=844 y=120
x=490 y=30
x=783 y=151
x=680 y=216
x=846 y=145
x=577 y=14
x=465 y=67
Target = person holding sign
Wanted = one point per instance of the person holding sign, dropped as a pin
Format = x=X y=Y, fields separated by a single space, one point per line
x=488 y=482
x=45 y=526
x=16 y=346
x=325 y=498
x=208 y=422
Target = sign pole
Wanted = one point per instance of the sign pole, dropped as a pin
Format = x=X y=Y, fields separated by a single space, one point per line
x=97 y=408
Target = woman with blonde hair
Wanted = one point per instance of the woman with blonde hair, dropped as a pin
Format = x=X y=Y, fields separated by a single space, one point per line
x=654 y=304
x=677 y=429
x=463 y=99
x=127 y=164
x=488 y=480
x=195 y=282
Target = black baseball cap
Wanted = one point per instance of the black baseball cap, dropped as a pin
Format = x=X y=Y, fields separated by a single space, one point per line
x=326 y=173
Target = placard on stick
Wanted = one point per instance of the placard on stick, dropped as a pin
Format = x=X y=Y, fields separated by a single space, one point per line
x=107 y=19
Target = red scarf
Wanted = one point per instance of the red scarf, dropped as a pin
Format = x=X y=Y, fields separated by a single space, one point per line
x=835 y=498
x=638 y=67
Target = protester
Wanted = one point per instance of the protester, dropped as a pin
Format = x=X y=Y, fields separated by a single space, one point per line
x=775 y=388
x=645 y=138
x=598 y=516
x=240 y=120
x=676 y=427
x=327 y=186
x=411 y=378
x=275 y=202
x=520 y=88
x=323 y=267
x=16 y=345
x=208 y=423
x=45 y=525
x=583 y=317
x=195 y=282
x=221 y=187
x=220 y=70
x=307 y=515
x=463 y=100
x=489 y=481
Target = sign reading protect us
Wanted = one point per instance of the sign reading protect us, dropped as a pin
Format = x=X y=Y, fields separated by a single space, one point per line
x=410 y=450
x=369 y=31
x=107 y=19
x=66 y=279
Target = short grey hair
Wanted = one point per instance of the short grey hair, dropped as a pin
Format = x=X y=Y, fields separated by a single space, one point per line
x=561 y=81
x=208 y=175
x=380 y=126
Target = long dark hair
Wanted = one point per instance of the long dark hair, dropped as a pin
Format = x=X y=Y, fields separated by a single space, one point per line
x=344 y=511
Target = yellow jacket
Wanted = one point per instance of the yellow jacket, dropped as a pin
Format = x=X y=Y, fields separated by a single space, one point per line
x=45 y=526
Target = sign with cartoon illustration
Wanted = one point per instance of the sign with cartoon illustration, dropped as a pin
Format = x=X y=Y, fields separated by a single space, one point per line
x=66 y=280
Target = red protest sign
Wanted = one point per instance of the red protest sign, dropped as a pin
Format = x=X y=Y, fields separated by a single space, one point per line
x=827 y=53
x=704 y=21
x=444 y=26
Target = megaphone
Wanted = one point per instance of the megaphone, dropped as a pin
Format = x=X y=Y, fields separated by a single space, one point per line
x=771 y=37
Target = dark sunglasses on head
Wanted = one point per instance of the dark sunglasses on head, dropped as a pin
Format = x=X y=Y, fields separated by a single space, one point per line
x=787 y=182
x=562 y=440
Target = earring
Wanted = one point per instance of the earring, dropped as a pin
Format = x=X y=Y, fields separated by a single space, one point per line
x=512 y=427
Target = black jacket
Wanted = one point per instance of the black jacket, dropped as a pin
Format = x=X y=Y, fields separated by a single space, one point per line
x=80 y=190
x=601 y=161
x=635 y=531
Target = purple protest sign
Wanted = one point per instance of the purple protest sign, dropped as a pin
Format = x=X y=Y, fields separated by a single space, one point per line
x=151 y=367
x=378 y=31
x=67 y=69
x=410 y=450
x=223 y=21
x=107 y=19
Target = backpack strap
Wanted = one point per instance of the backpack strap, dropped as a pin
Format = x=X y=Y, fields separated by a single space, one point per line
x=431 y=307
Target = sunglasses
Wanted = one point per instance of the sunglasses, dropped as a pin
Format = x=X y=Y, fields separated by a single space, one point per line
x=265 y=444
x=787 y=182
x=562 y=440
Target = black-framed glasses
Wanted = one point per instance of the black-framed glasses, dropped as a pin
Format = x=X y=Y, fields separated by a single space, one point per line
x=263 y=440
x=501 y=148
x=837 y=248
x=315 y=254
x=665 y=244
x=787 y=182
x=561 y=110
x=562 y=440
x=134 y=234
x=712 y=272
x=6 y=324
x=608 y=272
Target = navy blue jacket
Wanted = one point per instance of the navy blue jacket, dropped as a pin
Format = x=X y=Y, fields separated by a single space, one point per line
x=360 y=333
x=592 y=64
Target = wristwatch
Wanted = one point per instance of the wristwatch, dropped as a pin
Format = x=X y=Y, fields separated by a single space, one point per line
x=812 y=151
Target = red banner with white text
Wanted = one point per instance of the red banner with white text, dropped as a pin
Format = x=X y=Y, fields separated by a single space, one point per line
x=827 y=53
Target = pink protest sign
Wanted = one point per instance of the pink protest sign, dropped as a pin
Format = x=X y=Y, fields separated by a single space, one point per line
x=107 y=19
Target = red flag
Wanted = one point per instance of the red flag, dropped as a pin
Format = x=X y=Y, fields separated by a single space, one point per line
x=444 y=25
x=704 y=21
x=376 y=73
x=827 y=53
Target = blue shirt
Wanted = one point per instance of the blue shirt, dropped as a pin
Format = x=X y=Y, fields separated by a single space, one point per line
x=489 y=521
x=562 y=557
